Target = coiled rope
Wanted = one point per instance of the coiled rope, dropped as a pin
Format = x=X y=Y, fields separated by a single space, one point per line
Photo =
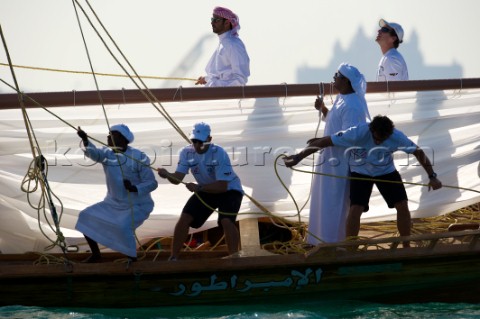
x=37 y=174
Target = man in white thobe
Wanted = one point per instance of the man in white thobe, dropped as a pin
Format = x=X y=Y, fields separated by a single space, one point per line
x=128 y=203
x=330 y=202
x=392 y=66
x=229 y=64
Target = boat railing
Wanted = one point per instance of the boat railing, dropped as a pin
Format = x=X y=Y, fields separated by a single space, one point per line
x=468 y=239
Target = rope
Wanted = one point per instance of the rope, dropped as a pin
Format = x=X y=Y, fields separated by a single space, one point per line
x=117 y=155
x=347 y=177
x=151 y=95
x=146 y=92
x=97 y=73
x=381 y=180
x=263 y=209
x=36 y=174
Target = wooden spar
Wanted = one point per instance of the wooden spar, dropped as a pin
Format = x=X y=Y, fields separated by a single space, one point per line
x=84 y=98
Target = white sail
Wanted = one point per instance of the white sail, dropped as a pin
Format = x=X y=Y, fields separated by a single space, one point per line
x=255 y=131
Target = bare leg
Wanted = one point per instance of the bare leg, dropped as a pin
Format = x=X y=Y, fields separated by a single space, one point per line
x=232 y=235
x=403 y=220
x=180 y=234
x=96 y=255
x=353 y=220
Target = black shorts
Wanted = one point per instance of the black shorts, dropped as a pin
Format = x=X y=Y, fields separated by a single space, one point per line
x=361 y=190
x=228 y=205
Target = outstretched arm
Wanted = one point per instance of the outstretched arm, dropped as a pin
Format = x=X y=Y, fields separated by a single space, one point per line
x=81 y=133
x=174 y=178
x=423 y=159
x=314 y=145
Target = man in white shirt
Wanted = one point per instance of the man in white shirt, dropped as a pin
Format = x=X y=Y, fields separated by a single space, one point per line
x=229 y=64
x=392 y=66
x=217 y=187
x=372 y=145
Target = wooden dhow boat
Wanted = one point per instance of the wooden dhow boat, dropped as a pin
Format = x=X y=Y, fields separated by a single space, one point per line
x=441 y=266
x=443 y=269
x=266 y=120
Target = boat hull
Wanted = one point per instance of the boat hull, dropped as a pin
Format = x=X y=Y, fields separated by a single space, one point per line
x=388 y=277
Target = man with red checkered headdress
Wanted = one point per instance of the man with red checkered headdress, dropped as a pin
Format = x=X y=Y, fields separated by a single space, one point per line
x=229 y=64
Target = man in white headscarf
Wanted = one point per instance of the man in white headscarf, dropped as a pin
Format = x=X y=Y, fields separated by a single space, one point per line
x=128 y=203
x=392 y=66
x=330 y=203
x=229 y=64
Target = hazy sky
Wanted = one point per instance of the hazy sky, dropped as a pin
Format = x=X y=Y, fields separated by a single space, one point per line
x=281 y=37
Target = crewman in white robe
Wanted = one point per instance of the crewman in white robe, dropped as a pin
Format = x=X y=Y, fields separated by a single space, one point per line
x=329 y=203
x=392 y=65
x=229 y=64
x=128 y=203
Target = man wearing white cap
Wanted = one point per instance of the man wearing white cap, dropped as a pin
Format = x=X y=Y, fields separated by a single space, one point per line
x=128 y=203
x=392 y=66
x=330 y=195
x=217 y=187
x=229 y=64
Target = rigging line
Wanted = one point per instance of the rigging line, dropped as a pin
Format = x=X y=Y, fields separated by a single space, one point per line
x=150 y=95
x=299 y=210
x=98 y=90
x=96 y=73
x=381 y=180
x=356 y=178
x=118 y=62
x=149 y=98
x=117 y=156
x=89 y=20
x=90 y=63
x=165 y=113
x=38 y=159
x=285 y=186
x=320 y=117
x=20 y=99
x=65 y=122
x=94 y=77
x=110 y=51
x=264 y=211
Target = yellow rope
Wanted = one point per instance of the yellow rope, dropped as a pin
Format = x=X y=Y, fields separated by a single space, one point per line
x=381 y=180
x=146 y=92
x=97 y=73
x=106 y=117
x=382 y=228
x=46 y=259
x=35 y=173
x=263 y=209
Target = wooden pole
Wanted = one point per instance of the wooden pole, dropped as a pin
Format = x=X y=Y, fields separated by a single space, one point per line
x=85 y=98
